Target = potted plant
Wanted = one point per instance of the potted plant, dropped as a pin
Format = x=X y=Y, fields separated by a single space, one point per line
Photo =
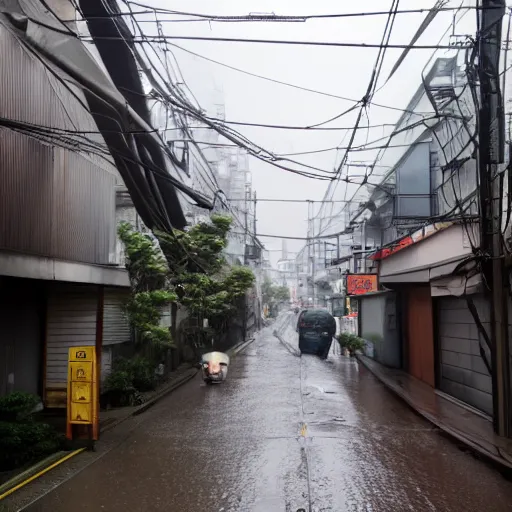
x=350 y=342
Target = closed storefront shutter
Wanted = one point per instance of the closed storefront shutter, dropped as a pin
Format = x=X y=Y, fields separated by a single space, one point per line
x=21 y=335
x=71 y=322
x=463 y=373
x=116 y=328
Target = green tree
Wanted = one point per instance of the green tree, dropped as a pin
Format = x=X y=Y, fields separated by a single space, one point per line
x=267 y=291
x=150 y=285
x=185 y=267
x=281 y=294
x=273 y=295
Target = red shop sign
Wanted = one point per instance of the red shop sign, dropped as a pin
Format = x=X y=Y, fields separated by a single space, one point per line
x=360 y=284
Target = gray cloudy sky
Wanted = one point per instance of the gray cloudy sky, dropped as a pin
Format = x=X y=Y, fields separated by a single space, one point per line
x=335 y=70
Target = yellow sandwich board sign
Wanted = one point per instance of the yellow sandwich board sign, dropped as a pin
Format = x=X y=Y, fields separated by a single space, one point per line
x=82 y=396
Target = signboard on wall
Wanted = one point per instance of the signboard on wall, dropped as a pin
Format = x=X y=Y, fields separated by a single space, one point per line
x=417 y=236
x=361 y=284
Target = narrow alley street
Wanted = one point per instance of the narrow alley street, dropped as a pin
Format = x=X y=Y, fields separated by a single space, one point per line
x=282 y=433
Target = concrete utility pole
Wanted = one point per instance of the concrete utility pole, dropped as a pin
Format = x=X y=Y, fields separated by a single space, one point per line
x=490 y=154
x=313 y=270
x=247 y=194
x=363 y=247
x=308 y=244
x=255 y=204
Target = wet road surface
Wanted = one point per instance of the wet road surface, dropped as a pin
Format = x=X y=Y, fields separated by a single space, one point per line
x=281 y=433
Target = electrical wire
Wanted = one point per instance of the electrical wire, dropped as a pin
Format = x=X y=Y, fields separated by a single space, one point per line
x=366 y=98
x=272 y=17
x=458 y=10
x=306 y=128
x=334 y=44
x=286 y=84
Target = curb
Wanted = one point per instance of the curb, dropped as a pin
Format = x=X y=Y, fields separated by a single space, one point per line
x=450 y=432
x=35 y=472
x=189 y=375
x=55 y=459
x=232 y=352
x=287 y=346
x=152 y=401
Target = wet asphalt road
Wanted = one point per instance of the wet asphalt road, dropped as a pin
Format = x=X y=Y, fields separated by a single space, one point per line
x=281 y=433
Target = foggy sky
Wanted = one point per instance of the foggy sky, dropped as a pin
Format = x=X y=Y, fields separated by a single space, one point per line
x=335 y=70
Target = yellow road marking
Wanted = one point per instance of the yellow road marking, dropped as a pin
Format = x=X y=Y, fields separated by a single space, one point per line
x=304 y=430
x=42 y=472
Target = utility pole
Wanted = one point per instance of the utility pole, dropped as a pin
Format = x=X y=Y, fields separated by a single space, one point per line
x=308 y=243
x=490 y=154
x=363 y=246
x=255 y=203
x=314 y=252
x=246 y=220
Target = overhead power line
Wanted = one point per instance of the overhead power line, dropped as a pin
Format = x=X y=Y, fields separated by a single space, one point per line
x=307 y=128
x=272 y=17
x=287 y=84
x=275 y=200
x=284 y=127
x=162 y=38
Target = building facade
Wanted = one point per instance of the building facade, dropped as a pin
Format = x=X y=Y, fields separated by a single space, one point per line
x=431 y=315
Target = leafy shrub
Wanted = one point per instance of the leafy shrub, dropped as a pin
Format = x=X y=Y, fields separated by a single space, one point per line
x=17 y=405
x=140 y=371
x=351 y=342
x=22 y=439
x=119 y=389
x=129 y=378
x=22 y=442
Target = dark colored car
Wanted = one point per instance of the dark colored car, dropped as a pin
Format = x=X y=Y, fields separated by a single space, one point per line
x=316 y=329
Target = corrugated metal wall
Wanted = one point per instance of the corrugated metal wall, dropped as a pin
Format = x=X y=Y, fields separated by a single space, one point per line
x=71 y=322
x=116 y=328
x=463 y=372
x=55 y=202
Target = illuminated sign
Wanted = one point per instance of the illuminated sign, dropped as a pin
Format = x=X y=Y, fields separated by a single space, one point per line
x=360 y=284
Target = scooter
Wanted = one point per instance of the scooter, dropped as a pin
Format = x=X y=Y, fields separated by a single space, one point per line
x=214 y=367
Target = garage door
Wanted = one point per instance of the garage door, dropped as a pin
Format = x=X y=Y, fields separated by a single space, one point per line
x=71 y=322
x=21 y=336
x=116 y=328
x=464 y=374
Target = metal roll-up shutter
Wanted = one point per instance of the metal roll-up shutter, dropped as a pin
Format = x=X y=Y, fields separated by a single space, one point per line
x=71 y=322
x=116 y=328
x=463 y=373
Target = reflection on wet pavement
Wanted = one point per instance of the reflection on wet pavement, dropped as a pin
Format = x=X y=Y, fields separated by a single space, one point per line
x=282 y=433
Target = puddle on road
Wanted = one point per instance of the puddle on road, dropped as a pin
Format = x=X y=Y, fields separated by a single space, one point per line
x=319 y=388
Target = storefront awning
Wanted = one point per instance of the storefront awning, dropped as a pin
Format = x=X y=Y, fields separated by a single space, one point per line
x=431 y=258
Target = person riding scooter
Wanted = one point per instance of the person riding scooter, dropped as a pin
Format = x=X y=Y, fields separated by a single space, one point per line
x=214 y=367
